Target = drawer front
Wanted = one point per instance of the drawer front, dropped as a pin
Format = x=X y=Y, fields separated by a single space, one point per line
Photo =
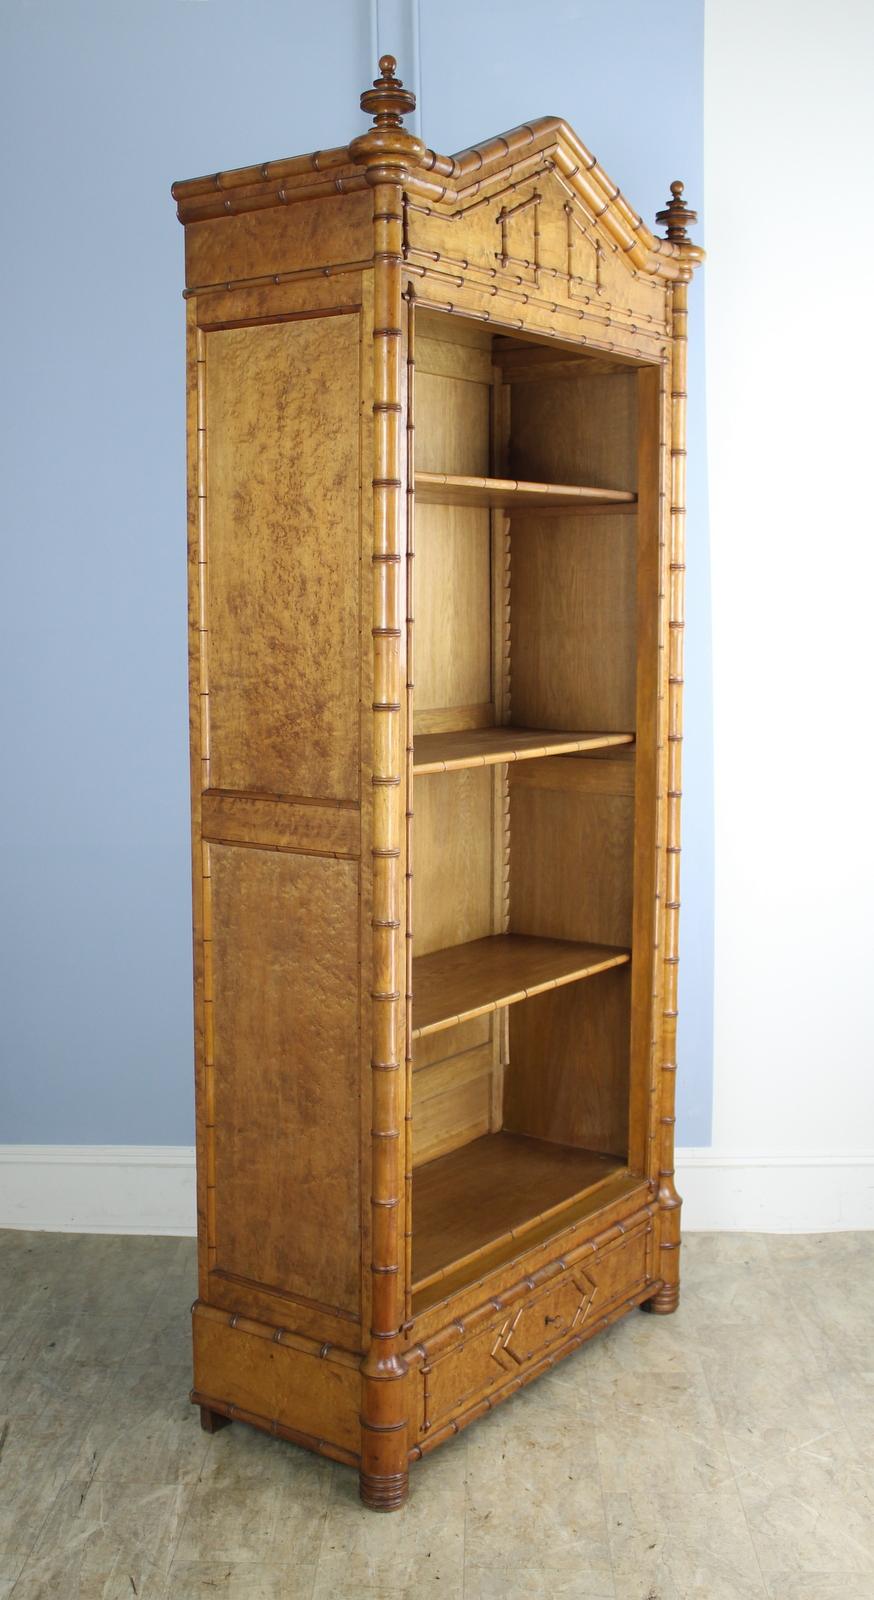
x=527 y=1331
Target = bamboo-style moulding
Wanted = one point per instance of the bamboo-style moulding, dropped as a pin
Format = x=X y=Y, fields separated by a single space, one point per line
x=436 y=425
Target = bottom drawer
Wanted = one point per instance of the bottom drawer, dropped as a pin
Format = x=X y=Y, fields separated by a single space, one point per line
x=519 y=1337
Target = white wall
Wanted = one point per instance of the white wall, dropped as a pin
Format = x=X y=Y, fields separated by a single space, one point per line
x=789 y=155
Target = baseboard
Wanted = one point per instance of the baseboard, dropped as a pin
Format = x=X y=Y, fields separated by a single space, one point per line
x=725 y=1192
x=146 y=1189
x=80 y=1188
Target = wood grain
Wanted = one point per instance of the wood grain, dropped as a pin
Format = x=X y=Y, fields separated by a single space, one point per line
x=451 y=597
x=451 y=985
x=508 y=1183
x=436 y=422
x=435 y=488
x=285 y=972
x=568 y=1073
x=452 y=858
x=450 y=752
x=573 y=604
x=283 y=513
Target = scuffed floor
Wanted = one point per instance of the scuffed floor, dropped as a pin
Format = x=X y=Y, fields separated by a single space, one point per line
x=724 y=1453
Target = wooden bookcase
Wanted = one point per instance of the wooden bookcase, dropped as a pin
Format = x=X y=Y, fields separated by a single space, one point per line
x=436 y=447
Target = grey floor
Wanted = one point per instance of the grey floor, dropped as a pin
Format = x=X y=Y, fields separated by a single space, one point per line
x=723 y=1452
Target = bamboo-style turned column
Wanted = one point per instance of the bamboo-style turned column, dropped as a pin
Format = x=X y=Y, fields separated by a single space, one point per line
x=676 y=215
x=386 y=151
x=408 y=919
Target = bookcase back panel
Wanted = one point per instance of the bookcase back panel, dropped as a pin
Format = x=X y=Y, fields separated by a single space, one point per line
x=452 y=858
x=573 y=616
x=568 y=1072
x=286 y=1086
x=451 y=607
x=283 y=540
x=576 y=429
x=571 y=849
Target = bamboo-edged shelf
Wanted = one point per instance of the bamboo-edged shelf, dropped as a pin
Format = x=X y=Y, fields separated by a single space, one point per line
x=513 y=494
x=512 y=1185
x=487 y=747
x=467 y=980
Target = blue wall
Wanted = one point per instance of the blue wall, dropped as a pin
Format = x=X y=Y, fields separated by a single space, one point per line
x=103 y=104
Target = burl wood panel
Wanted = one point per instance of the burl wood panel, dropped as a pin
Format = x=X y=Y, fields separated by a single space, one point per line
x=286 y=1078
x=276 y=1381
x=283 y=520
x=574 y=616
x=264 y=243
x=567 y=1078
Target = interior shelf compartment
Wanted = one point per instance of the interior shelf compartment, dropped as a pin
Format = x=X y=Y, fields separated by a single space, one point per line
x=486 y=747
x=499 y=1188
x=442 y=488
x=466 y=980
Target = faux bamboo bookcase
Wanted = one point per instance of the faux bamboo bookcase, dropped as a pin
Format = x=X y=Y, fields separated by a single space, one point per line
x=437 y=449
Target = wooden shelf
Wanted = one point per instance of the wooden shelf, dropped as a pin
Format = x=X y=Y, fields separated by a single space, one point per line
x=497 y=1187
x=467 y=980
x=440 y=488
x=486 y=747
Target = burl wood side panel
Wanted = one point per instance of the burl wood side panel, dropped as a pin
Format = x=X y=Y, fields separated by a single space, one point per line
x=261 y=244
x=275 y=1381
x=285 y=969
x=283 y=519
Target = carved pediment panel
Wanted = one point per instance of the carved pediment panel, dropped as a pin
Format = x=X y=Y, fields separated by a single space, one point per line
x=532 y=231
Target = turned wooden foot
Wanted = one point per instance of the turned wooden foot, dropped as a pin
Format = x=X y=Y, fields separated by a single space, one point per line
x=211 y=1421
x=383 y=1494
x=663 y=1303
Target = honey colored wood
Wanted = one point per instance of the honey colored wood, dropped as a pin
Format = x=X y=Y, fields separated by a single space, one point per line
x=275 y=725
x=568 y=1074
x=453 y=859
x=452 y=985
x=453 y=1102
x=485 y=747
x=421 y=390
x=434 y=488
x=511 y=1183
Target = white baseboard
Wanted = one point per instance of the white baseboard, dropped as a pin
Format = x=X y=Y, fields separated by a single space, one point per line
x=82 y=1188
x=150 y=1189
x=743 y=1193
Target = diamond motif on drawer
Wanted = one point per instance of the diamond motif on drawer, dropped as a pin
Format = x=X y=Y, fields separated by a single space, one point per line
x=537 y=1324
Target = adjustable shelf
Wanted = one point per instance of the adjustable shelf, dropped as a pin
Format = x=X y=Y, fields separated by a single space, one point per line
x=510 y=494
x=512 y=1185
x=487 y=747
x=468 y=980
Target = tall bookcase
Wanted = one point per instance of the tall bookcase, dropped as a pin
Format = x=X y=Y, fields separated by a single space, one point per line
x=436 y=491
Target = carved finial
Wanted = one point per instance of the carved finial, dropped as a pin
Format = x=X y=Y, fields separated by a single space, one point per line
x=676 y=214
x=388 y=100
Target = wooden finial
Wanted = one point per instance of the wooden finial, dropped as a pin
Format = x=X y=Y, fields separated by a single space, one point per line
x=676 y=214
x=388 y=100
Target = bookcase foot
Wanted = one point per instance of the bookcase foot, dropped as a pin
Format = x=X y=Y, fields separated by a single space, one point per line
x=211 y=1421
x=663 y=1303
x=383 y=1494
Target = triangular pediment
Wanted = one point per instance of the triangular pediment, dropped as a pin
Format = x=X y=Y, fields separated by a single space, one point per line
x=539 y=151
